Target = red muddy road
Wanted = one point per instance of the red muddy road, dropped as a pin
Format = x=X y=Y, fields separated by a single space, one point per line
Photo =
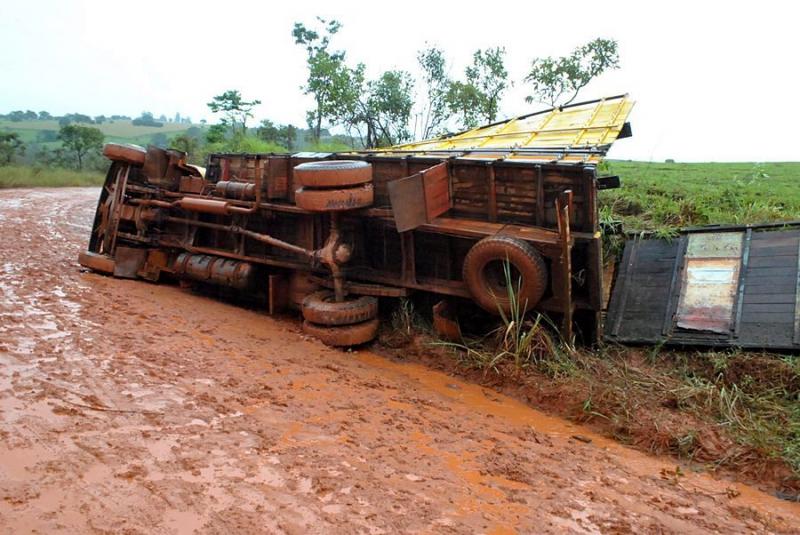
x=135 y=408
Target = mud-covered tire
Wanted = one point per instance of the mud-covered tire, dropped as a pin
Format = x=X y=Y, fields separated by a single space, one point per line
x=321 y=308
x=132 y=154
x=343 y=335
x=333 y=173
x=484 y=274
x=334 y=200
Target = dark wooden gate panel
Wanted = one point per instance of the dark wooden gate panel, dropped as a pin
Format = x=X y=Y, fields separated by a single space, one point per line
x=766 y=310
x=637 y=307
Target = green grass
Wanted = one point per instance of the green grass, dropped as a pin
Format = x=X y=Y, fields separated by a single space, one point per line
x=20 y=176
x=666 y=196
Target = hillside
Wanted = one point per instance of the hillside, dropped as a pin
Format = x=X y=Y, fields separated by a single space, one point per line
x=121 y=131
x=664 y=196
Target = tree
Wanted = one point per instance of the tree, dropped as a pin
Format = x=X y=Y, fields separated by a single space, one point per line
x=10 y=146
x=381 y=113
x=45 y=116
x=235 y=109
x=277 y=134
x=489 y=76
x=185 y=143
x=552 y=79
x=80 y=141
x=290 y=134
x=268 y=131
x=146 y=119
x=329 y=80
x=477 y=99
x=435 y=110
x=464 y=101
x=216 y=133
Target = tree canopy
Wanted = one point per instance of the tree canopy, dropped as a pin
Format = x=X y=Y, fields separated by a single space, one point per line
x=80 y=141
x=235 y=110
x=10 y=146
x=329 y=81
x=557 y=81
x=434 y=112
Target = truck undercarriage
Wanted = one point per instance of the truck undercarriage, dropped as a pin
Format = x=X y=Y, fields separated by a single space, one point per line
x=328 y=233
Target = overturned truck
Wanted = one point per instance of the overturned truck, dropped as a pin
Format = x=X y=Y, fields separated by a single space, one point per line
x=330 y=233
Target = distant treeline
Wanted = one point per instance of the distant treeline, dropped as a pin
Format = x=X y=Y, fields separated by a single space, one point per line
x=145 y=119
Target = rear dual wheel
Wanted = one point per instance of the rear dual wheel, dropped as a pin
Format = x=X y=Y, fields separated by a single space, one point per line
x=340 y=324
x=334 y=200
x=344 y=335
x=334 y=186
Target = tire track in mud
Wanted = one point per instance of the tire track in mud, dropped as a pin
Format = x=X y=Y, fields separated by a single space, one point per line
x=131 y=407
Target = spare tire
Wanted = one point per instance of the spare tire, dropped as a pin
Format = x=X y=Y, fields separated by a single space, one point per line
x=128 y=153
x=333 y=173
x=334 y=200
x=485 y=277
x=343 y=335
x=321 y=308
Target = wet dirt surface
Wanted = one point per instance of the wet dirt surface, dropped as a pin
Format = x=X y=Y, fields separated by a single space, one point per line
x=127 y=407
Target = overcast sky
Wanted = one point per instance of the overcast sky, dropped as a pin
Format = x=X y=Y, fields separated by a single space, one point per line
x=713 y=81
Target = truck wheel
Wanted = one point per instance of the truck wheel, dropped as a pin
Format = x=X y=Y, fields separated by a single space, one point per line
x=132 y=154
x=343 y=335
x=321 y=308
x=334 y=200
x=484 y=274
x=333 y=173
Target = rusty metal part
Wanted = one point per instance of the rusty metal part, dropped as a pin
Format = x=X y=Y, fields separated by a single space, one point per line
x=301 y=284
x=156 y=262
x=205 y=206
x=128 y=261
x=235 y=190
x=127 y=153
x=115 y=209
x=364 y=288
x=215 y=270
x=277 y=293
x=96 y=262
x=445 y=322
x=192 y=184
